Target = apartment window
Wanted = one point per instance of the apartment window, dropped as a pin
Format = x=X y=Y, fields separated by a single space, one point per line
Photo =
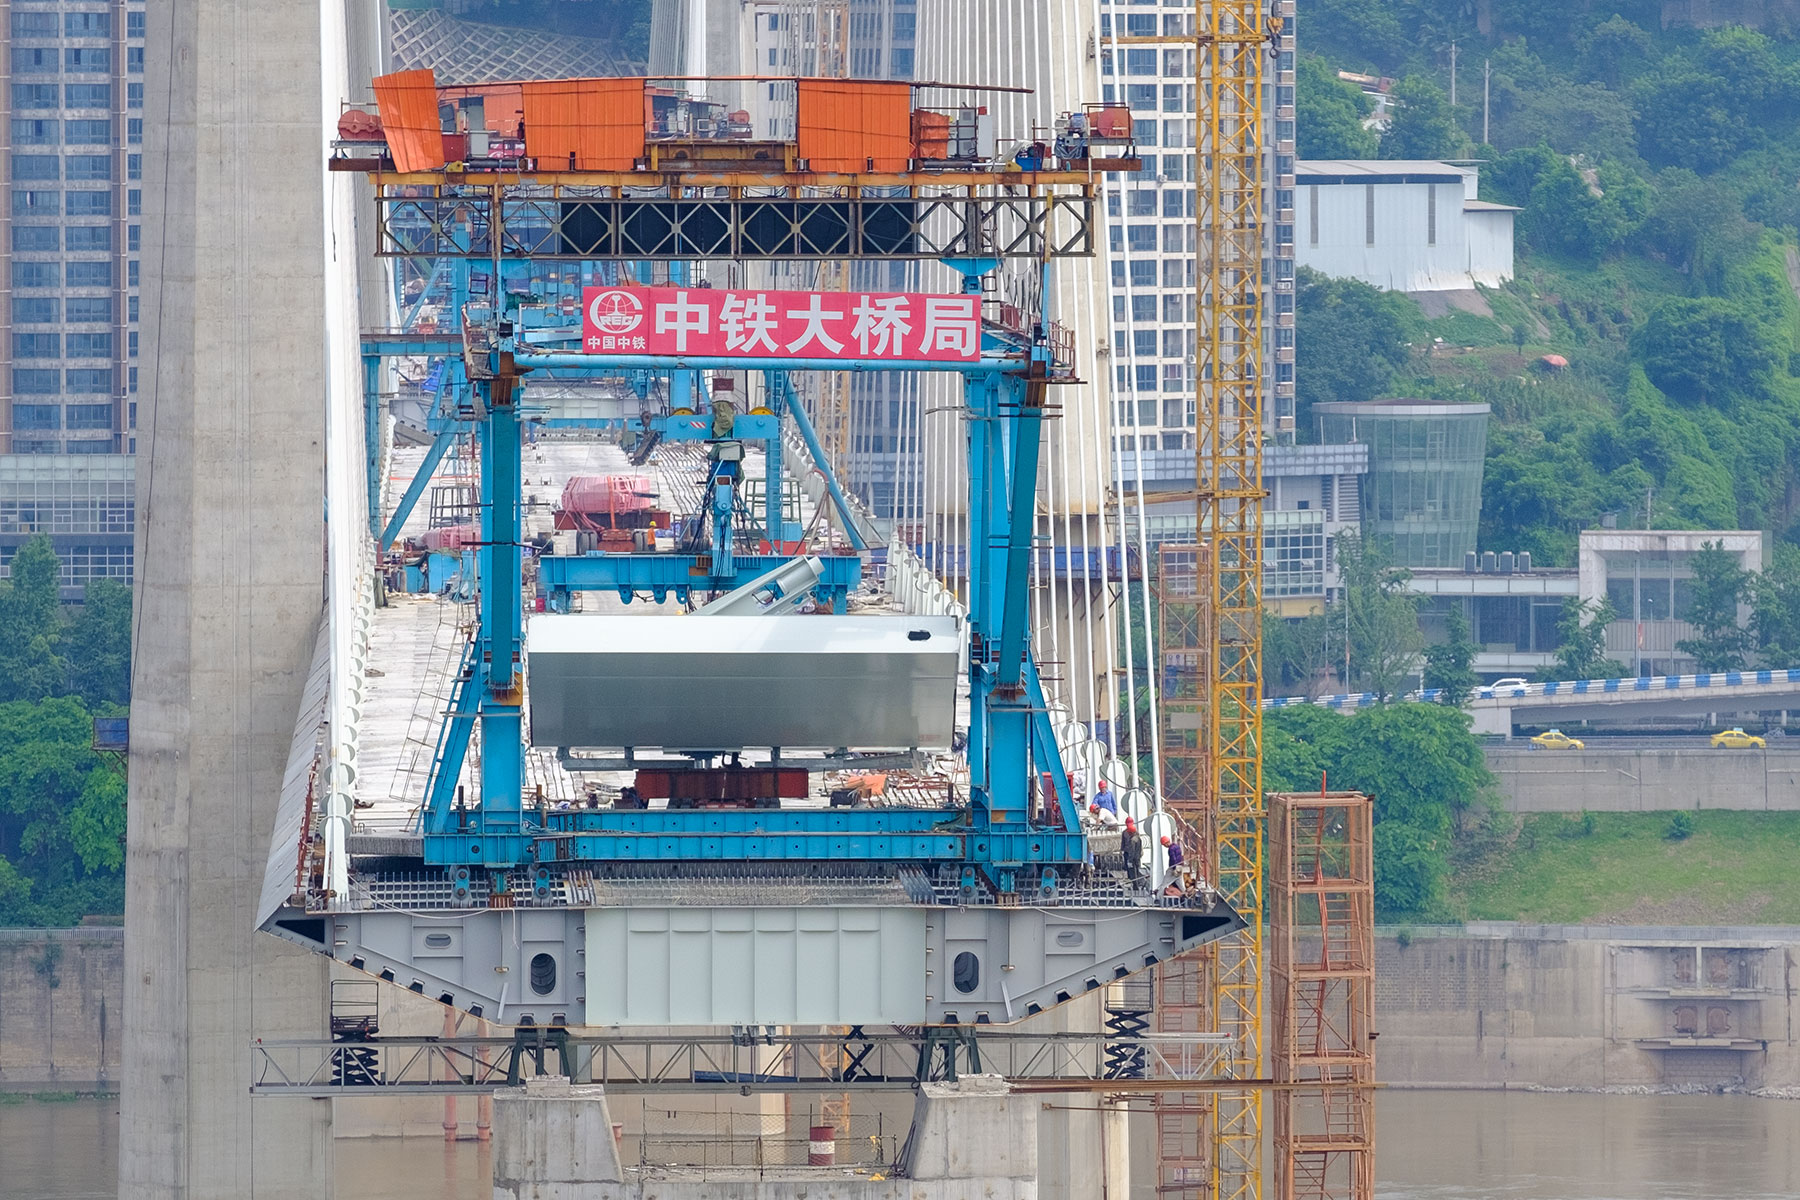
x=134 y=59
x=35 y=381
x=36 y=274
x=1144 y=132
x=1118 y=271
x=89 y=381
x=1178 y=272
x=1141 y=203
x=87 y=132
x=1143 y=273
x=1115 y=238
x=88 y=416
x=88 y=58
x=36 y=310
x=131 y=341
x=133 y=234
x=33 y=95
x=90 y=345
x=1140 y=95
x=28 y=238
x=134 y=130
x=134 y=25
x=36 y=204
x=89 y=204
x=1141 y=238
x=1174 y=238
x=89 y=168
x=1179 y=343
x=131 y=312
x=87 y=95
x=37 y=345
x=1146 y=382
x=1143 y=343
x=1172 y=201
x=1178 y=64
x=87 y=24
x=1175 y=379
x=89 y=237
x=131 y=381
x=91 y=274
x=35 y=416
x=1172 y=95
x=1140 y=24
x=1176 y=133
x=32 y=60
x=1140 y=62
x=131 y=272
x=902 y=62
x=1143 y=306
x=31 y=131
x=1431 y=214
x=134 y=166
x=134 y=95
x=1368 y=214
x=36 y=167
x=90 y=308
x=1175 y=307
x=33 y=25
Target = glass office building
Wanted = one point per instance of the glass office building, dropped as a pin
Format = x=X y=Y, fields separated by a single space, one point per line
x=74 y=163
x=1421 y=500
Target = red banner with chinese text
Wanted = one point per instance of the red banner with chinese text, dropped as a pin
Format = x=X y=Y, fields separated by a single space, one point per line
x=781 y=325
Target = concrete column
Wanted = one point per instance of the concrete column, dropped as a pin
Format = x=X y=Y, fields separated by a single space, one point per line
x=976 y=1137
x=554 y=1141
x=229 y=587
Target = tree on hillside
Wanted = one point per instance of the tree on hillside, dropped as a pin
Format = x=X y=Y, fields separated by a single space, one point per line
x=1381 y=619
x=1697 y=225
x=1424 y=125
x=1352 y=339
x=62 y=815
x=1775 y=614
x=98 y=643
x=31 y=625
x=1581 y=642
x=1615 y=52
x=1719 y=587
x=1448 y=663
x=1298 y=651
x=1706 y=349
x=1301 y=744
x=1329 y=113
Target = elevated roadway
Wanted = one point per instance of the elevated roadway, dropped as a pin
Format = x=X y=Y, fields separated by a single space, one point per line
x=1501 y=710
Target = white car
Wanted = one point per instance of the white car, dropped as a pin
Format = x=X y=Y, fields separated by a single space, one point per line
x=1500 y=685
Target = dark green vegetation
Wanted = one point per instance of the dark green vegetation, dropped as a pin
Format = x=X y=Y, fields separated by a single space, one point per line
x=1424 y=769
x=62 y=805
x=1657 y=170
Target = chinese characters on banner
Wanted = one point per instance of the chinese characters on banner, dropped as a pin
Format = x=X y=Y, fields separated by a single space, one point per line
x=779 y=325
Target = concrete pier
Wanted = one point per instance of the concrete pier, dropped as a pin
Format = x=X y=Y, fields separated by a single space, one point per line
x=970 y=1140
x=239 y=258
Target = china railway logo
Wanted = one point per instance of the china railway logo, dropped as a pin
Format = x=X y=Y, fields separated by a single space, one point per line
x=616 y=312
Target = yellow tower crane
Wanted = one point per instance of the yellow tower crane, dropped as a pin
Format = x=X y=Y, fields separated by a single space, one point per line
x=1230 y=41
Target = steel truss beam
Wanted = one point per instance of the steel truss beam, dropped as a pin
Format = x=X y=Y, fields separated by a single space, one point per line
x=763 y=1060
x=593 y=223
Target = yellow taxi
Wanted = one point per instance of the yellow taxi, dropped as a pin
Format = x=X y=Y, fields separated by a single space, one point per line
x=1737 y=739
x=1556 y=739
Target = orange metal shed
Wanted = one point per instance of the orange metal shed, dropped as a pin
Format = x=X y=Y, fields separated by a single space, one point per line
x=408 y=104
x=598 y=121
x=851 y=126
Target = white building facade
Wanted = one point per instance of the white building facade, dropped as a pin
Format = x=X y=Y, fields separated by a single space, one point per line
x=1401 y=226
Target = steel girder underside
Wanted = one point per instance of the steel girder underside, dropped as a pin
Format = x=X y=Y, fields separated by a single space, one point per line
x=674 y=949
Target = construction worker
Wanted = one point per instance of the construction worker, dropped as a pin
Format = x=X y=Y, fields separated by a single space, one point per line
x=1106 y=818
x=1131 y=849
x=1176 y=858
x=1103 y=796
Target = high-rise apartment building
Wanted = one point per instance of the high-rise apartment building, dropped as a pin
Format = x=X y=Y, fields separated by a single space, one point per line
x=73 y=159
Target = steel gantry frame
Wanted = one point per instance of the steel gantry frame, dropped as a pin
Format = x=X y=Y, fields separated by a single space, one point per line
x=1231 y=40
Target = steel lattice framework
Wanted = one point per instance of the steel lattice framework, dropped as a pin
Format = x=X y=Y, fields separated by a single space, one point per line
x=1322 y=980
x=1231 y=41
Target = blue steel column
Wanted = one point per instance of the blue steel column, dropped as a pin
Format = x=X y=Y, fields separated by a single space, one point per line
x=502 y=698
x=776 y=386
x=372 y=435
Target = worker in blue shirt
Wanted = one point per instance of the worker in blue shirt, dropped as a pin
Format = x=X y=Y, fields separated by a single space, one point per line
x=1104 y=797
x=1176 y=858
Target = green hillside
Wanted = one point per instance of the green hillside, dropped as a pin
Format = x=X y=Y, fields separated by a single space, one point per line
x=1658 y=171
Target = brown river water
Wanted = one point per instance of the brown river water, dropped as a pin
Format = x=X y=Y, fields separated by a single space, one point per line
x=1433 y=1146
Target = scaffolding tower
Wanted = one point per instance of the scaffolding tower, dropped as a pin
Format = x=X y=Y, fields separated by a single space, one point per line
x=1322 y=984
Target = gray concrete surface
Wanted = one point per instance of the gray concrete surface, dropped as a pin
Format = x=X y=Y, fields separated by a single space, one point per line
x=1499 y=1005
x=232 y=414
x=1647 y=779
x=60 y=999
